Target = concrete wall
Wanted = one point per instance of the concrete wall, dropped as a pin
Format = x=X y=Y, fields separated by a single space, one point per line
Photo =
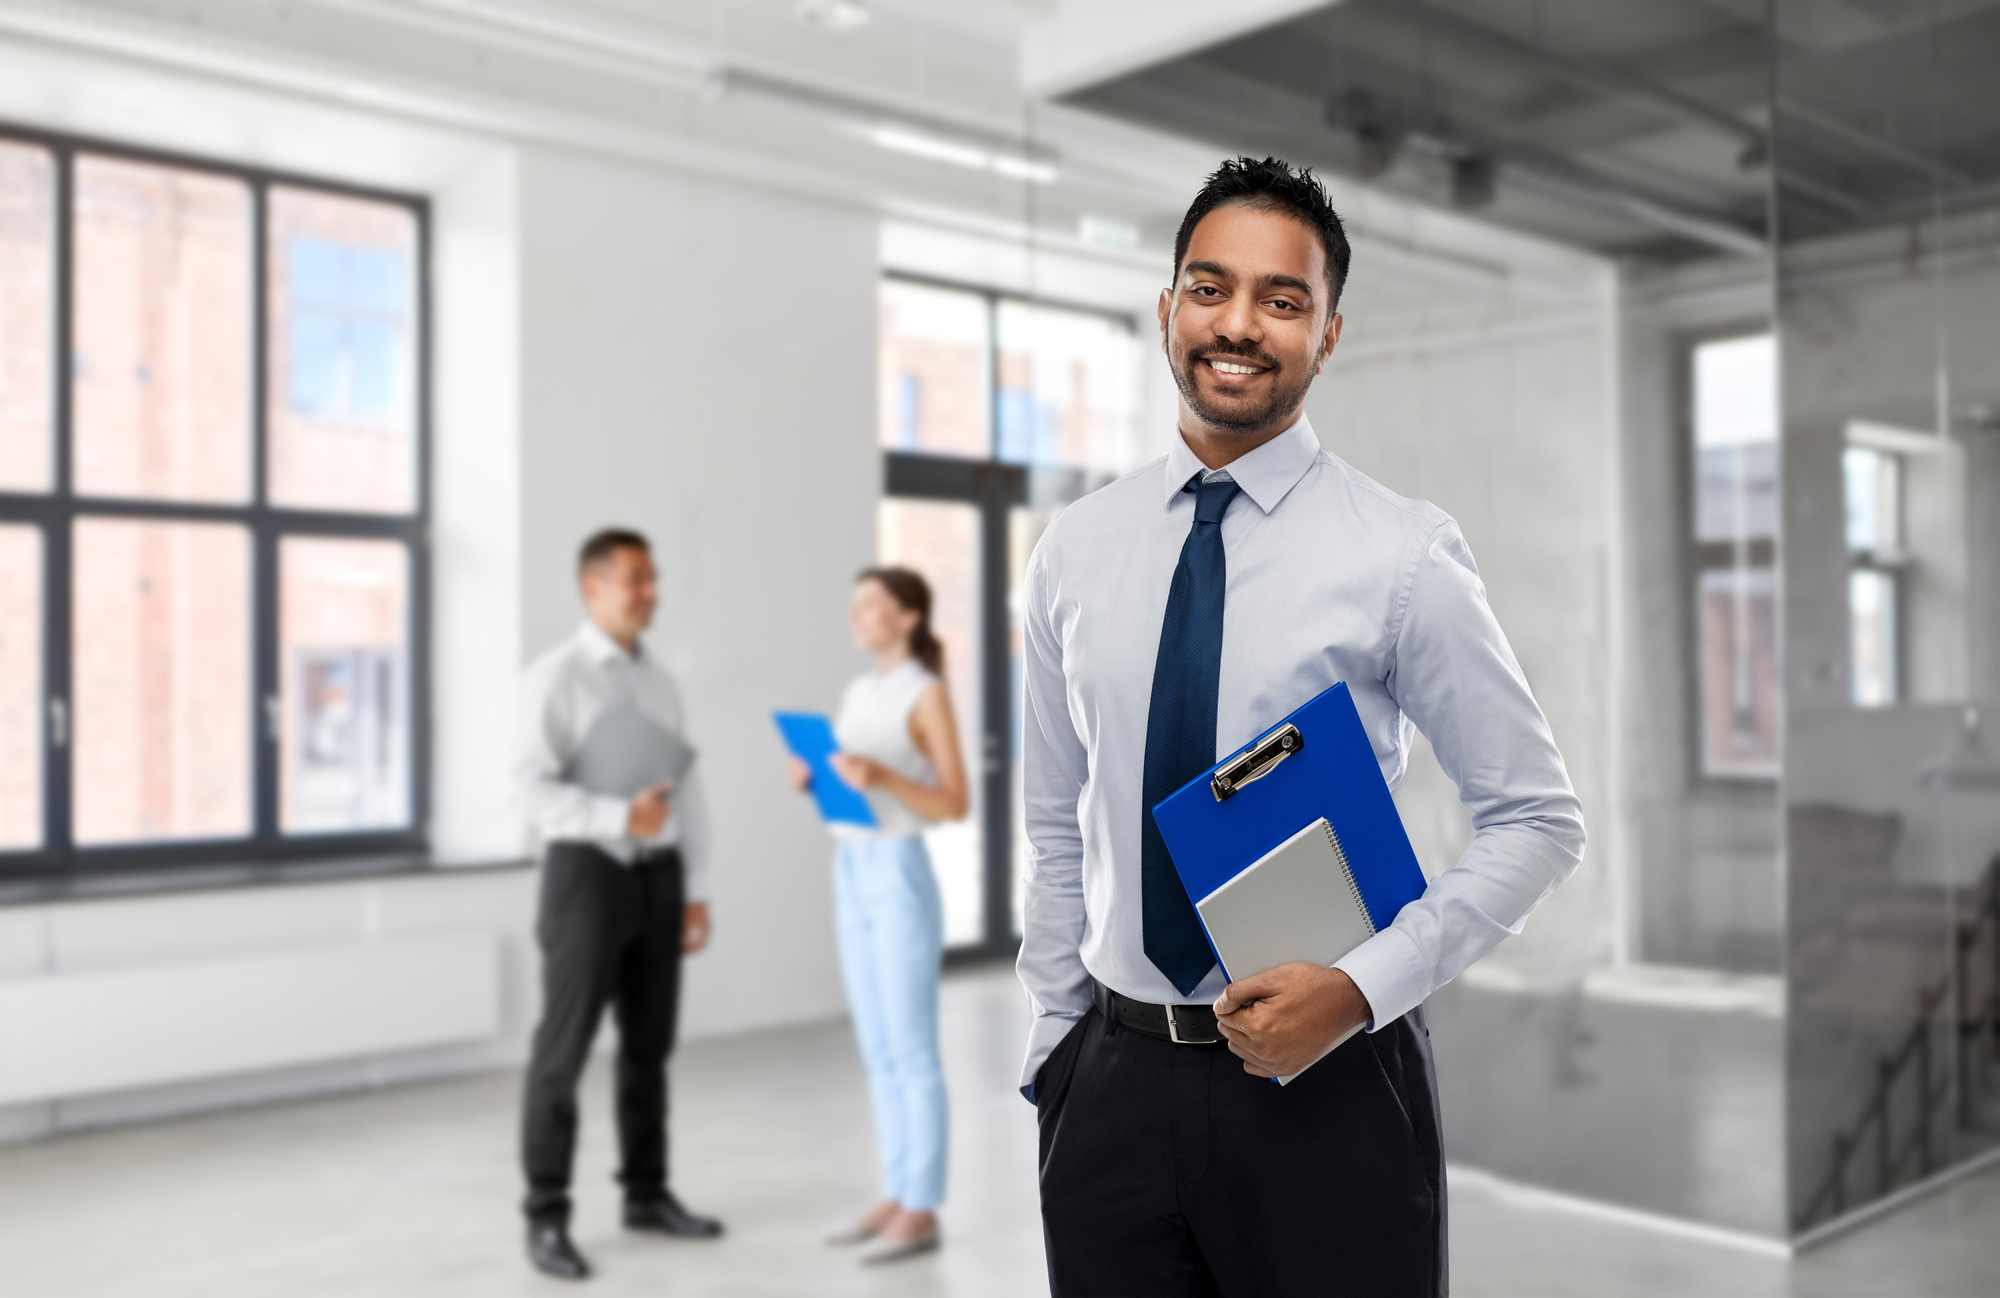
x=1500 y=409
x=699 y=362
x=135 y=933
x=1702 y=853
x=476 y=595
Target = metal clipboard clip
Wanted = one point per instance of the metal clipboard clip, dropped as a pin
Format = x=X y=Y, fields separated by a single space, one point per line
x=1260 y=761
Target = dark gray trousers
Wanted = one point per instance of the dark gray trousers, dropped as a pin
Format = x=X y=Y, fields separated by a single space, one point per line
x=610 y=934
x=1169 y=1171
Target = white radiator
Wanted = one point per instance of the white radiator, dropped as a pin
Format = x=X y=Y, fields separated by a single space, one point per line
x=85 y=1033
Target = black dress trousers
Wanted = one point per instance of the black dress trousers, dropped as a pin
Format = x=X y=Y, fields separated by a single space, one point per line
x=1168 y=1170
x=610 y=934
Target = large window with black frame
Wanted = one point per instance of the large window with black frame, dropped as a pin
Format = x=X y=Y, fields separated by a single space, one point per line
x=995 y=411
x=211 y=513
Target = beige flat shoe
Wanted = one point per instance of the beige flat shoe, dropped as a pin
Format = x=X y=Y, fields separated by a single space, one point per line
x=888 y=1250
x=851 y=1234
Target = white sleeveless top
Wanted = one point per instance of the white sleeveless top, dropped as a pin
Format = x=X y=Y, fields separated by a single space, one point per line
x=874 y=721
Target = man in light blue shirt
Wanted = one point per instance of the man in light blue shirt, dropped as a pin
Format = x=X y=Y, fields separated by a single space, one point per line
x=1169 y=619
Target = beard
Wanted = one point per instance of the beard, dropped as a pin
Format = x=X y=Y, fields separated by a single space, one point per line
x=1242 y=414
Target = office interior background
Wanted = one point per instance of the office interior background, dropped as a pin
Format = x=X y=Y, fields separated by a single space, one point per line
x=329 y=328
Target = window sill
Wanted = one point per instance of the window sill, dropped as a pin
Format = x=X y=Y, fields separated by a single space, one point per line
x=33 y=889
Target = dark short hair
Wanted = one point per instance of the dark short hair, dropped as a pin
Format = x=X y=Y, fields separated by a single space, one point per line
x=604 y=542
x=1272 y=185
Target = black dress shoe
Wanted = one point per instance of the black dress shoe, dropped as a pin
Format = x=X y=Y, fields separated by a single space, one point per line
x=552 y=1253
x=666 y=1214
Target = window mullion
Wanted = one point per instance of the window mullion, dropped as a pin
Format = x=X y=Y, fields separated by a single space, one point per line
x=264 y=703
x=58 y=716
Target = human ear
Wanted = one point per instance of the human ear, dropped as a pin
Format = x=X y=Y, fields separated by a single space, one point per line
x=1328 y=342
x=1166 y=313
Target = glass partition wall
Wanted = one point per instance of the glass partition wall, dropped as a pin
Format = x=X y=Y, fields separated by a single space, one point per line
x=1888 y=292
x=1804 y=1020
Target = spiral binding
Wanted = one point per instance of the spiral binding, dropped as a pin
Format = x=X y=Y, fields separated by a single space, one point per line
x=1347 y=873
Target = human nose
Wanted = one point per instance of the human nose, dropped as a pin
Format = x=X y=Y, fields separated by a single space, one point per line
x=1240 y=321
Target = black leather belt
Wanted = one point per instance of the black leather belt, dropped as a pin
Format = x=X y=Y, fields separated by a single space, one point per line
x=1184 y=1025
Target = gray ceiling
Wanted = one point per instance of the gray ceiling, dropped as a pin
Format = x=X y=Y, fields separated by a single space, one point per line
x=1636 y=127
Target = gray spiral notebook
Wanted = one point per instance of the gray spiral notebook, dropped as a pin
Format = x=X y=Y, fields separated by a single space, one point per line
x=1299 y=901
x=626 y=751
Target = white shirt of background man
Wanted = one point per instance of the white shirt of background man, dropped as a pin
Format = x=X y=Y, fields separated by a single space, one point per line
x=562 y=695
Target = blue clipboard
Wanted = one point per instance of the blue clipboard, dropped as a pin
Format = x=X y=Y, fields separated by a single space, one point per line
x=1229 y=816
x=810 y=737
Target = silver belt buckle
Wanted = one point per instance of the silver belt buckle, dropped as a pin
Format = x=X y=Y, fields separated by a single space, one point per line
x=1174 y=1032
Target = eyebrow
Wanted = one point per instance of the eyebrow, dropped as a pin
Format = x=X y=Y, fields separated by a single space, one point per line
x=1216 y=269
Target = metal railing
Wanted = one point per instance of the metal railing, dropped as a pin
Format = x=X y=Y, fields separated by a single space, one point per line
x=1909 y=1073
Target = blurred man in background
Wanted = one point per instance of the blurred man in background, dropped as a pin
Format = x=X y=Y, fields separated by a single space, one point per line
x=623 y=897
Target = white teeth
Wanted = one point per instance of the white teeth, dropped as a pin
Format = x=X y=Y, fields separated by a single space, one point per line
x=1228 y=368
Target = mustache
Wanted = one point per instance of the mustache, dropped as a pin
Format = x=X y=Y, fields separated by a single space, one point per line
x=1254 y=355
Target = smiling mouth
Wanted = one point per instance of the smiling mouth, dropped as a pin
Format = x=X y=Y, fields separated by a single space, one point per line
x=1231 y=367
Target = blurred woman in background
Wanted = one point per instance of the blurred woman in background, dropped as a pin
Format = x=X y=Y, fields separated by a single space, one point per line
x=899 y=747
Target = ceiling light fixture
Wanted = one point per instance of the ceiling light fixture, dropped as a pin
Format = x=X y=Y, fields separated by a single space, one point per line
x=1107 y=232
x=887 y=127
x=834 y=15
x=919 y=144
x=958 y=153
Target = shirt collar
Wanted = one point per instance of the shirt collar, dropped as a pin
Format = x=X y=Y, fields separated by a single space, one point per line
x=1265 y=474
x=602 y=648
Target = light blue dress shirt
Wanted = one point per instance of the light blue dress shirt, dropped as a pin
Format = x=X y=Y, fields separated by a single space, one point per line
x=1332 y=578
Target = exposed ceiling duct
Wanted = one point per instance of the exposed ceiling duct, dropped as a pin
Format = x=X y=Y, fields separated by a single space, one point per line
x=1645 y=130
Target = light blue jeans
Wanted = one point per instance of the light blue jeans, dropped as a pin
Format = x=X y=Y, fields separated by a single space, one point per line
x=891 y=925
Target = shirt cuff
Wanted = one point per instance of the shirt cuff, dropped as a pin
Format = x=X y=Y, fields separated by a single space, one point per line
x=1044 y=1035
x=1391 y=973
x=608 y=817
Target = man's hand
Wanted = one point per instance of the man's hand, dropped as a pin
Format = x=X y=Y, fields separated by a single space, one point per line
x=694 y=927
x=861 y=772
x=650 y=810
x=800 y=775
x=1281 y=1020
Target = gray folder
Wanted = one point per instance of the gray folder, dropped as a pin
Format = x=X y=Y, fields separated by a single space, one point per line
x=627 y=751
x=1299 y=901
x=1296 y=902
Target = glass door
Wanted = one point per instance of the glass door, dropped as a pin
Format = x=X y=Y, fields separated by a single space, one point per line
x=948 y=519
x=940 y=539
x=994 y=413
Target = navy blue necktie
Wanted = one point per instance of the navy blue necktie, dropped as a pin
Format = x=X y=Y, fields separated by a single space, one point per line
x=1180 y=731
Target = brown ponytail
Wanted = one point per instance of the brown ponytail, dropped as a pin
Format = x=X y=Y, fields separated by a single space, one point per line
x=914 y=594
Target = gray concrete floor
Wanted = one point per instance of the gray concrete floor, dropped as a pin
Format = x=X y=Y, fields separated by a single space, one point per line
x=411 y=1192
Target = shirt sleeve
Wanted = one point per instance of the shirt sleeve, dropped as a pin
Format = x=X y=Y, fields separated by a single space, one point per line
x=1455 y=677
x=1053 y=768
x=553 y=808
x=690 y=801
